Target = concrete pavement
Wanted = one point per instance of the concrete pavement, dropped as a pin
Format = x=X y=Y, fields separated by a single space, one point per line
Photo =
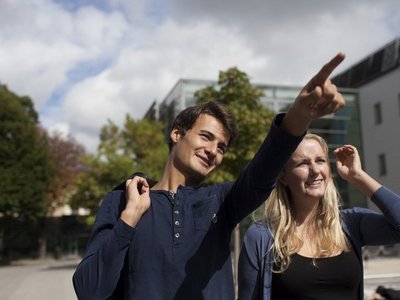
x=381 y=271
x=50 y=279
x=34 y=280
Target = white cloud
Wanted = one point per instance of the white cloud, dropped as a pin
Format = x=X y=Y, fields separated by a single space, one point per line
x=42 y=42
x=142 y=74
x=33 y=68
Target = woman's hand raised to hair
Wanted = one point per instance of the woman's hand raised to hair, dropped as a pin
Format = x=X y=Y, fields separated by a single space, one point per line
x=348 y=164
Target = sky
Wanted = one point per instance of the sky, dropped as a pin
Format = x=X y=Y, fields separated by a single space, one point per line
x=83 y=62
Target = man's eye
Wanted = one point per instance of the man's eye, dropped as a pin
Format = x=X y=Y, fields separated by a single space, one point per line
x=222 y=150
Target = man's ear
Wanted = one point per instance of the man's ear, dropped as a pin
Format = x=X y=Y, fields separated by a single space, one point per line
x=175 y=135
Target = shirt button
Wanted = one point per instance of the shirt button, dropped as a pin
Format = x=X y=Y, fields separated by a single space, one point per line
x=177 y=235
x=177 y=223
x=176 y=212
x=215 y=218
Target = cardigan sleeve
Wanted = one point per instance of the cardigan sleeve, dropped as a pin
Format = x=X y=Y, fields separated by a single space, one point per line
x=389 y=203
x=251 y=266
x=374 y=228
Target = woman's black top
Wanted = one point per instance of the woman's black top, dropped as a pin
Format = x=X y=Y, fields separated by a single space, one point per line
x=336 y=277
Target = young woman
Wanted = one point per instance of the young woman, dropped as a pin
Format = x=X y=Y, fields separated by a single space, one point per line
x=306 y=247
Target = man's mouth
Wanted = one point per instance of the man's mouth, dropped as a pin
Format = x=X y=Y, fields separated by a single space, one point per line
x=204 y=160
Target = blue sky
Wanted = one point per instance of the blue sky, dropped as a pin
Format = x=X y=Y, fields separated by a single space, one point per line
x=83 y=62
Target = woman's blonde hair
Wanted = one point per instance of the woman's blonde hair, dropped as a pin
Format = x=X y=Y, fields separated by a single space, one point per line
x=328 y=234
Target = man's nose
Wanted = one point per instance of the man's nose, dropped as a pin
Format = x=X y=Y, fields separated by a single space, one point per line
x=211 y=149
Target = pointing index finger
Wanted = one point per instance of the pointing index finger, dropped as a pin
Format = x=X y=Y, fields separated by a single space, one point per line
x=326 y=70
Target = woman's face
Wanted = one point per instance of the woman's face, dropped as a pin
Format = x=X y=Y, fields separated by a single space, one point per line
x=307 y=172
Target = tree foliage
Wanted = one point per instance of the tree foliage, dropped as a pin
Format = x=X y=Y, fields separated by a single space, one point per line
x=25 y=168
x=253 y=119
x=25 y=173
x=66 y=159
x=139 y=146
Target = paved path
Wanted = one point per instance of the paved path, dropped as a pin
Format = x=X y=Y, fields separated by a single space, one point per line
x=50 y=280
x=46 y=280
x=381 y=271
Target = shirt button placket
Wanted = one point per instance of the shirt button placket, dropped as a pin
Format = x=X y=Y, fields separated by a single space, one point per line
x=177 y=223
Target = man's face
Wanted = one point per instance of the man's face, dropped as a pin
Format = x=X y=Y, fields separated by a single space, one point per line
x=197 y=153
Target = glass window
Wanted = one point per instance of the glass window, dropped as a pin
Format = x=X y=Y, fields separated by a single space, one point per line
x=389 y=59
x=268 y=91
x=378 y=113
x=270 y=104
x=382 y=164
x=349 y=98
x=284 y=105
x=399 y=102
x=190 y=100
x=193 y=86
x=287 y=93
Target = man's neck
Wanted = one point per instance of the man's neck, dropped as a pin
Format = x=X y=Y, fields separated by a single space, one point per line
x=166 y=185
x=172 y=178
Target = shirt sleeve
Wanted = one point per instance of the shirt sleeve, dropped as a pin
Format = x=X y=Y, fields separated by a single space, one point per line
x=258 y=178
x=97 y=276
x=250 y=270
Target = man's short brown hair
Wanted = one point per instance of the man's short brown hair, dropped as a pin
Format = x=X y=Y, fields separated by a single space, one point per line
x=188 y=117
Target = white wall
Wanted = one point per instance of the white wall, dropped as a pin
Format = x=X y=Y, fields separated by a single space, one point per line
x=385 y=137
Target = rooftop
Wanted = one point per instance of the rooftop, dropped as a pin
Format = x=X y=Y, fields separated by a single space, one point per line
x=375 y=65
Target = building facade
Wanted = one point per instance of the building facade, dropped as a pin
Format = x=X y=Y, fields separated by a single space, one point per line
x=377 y=80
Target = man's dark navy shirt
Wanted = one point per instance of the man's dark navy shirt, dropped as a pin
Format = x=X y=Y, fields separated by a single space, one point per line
x=180 y=249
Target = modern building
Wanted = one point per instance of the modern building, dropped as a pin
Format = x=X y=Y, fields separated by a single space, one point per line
x=338 y=129
x=377 y=80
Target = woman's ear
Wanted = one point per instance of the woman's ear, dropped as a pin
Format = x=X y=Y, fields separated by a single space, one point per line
x=282 y=178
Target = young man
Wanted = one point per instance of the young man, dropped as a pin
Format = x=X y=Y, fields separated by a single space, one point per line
x=173 y=241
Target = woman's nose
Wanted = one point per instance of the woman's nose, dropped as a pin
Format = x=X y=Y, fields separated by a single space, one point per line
x=314 y=168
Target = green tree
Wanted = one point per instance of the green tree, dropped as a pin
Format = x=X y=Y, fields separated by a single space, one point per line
x=66 y=159
x=25 y=168
x=137 y=147
x=146 y=145
x=253 y=119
